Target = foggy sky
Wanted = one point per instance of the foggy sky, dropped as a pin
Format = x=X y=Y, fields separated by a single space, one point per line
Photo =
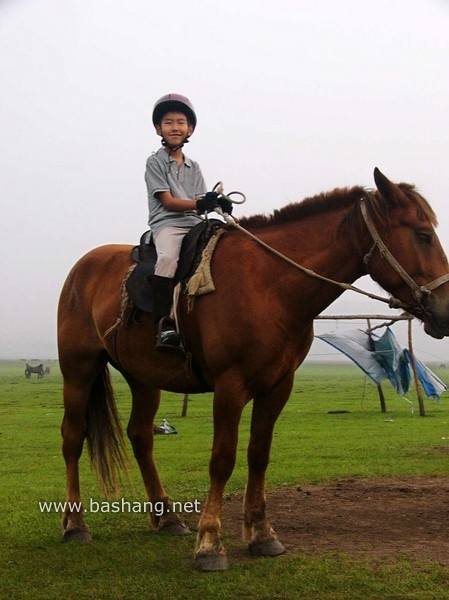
x=293 y=98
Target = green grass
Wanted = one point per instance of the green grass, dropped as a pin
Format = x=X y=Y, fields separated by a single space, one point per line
x=126 y=560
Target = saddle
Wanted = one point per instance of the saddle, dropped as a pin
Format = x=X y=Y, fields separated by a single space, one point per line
x=138 y=284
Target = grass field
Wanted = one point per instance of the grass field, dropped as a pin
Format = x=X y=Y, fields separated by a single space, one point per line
x=126 y=560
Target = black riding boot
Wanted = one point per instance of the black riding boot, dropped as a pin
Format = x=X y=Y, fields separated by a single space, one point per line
x=167 y=336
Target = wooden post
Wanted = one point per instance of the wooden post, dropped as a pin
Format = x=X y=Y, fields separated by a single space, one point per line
x=383 y=405
x=422 y=411
x=184 y=405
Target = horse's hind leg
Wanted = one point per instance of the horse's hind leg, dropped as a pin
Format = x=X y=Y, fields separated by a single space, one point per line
x=77 y=388
x=257 y=530
x=140 y=432
x=79 y=374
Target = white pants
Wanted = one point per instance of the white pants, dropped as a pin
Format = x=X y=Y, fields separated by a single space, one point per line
x=168 y=242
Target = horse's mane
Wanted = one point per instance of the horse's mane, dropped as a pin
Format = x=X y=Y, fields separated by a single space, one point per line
x=314 y=205
x=335 y=199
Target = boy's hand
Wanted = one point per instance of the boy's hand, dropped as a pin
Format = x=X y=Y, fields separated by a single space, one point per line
x=225 y=205
x=207 y=203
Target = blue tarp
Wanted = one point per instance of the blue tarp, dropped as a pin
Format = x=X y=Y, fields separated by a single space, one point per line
x=382 y=358
x=432 y=384
x=389 y=355
x=356 y=345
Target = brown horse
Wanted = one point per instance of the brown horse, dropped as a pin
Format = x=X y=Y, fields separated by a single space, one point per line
x=245 y=340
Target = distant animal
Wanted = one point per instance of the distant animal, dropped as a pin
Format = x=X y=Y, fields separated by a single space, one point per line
x=47 y=370
x=244 y=341
x=29 y=369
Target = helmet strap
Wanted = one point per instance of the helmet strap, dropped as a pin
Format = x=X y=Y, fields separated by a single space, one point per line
x=173 y=148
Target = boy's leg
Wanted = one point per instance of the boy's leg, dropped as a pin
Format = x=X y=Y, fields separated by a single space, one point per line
x=167 y=336
x=168 y=246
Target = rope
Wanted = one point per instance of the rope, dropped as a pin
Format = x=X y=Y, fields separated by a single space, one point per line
x=418 y=291
x=392 y=302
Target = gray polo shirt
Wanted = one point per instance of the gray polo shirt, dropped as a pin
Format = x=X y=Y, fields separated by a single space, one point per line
x=186 y=181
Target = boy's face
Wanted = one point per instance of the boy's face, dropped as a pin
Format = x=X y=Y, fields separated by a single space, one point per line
x=174 y=128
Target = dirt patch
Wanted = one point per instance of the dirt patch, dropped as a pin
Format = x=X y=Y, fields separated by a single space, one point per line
x=375 y=518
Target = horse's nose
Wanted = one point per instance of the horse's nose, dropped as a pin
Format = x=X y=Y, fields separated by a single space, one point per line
x=436 y=316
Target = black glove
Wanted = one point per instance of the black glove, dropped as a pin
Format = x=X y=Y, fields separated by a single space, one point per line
x=225 y=205
x=207 y=203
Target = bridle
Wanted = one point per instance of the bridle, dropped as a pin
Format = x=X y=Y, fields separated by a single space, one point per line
x=420 y=292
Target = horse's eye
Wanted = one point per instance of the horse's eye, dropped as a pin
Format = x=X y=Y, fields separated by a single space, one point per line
x=425 y=237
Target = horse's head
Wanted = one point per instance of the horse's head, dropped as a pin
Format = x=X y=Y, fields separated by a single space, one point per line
x=405 y=256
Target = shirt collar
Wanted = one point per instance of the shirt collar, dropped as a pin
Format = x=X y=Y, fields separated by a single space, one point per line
x=168 y=158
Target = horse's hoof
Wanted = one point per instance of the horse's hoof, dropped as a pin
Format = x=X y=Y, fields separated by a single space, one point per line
x=211 y=563
x=174 y=529
x=78 y=536
x=266 y=548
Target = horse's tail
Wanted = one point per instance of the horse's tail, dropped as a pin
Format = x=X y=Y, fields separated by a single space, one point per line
x=104 y=434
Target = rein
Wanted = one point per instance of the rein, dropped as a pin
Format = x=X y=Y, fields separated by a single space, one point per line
x=418 y=291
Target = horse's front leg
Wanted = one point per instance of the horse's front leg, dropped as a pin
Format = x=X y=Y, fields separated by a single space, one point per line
x=256 y=528
x=210 y=554
x=140 y=432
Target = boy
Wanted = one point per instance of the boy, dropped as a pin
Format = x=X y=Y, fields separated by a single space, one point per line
x=177 y=196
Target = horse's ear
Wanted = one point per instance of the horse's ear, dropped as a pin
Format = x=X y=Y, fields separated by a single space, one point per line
x=386 y=188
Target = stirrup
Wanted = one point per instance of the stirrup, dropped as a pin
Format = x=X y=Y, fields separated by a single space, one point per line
x=168 y=339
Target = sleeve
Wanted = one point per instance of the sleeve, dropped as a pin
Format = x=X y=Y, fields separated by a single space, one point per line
x=155 y=178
